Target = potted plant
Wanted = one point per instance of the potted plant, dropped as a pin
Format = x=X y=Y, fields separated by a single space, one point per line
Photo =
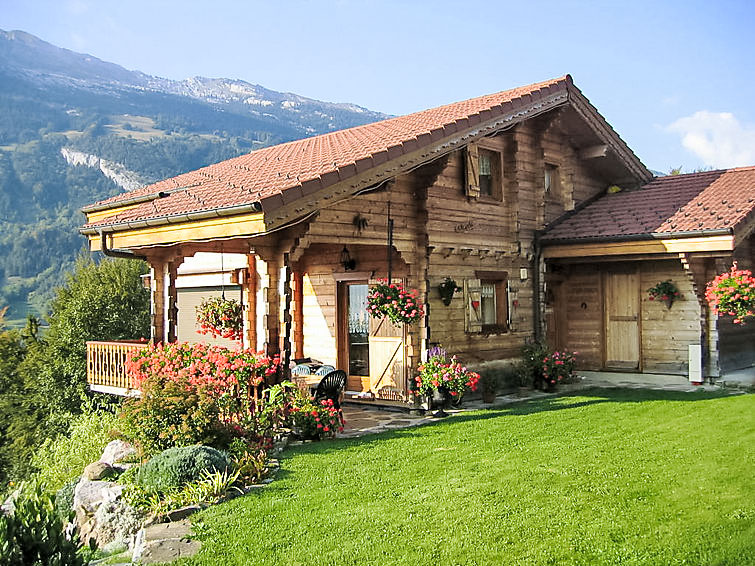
x=220 y=317
x=665 y=291
x=442 y=379
x=489 y=383
x=556 y=367
x=391 y=300
x=447 y=289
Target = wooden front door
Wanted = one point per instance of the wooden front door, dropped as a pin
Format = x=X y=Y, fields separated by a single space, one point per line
x=370 y=350
x=622 y=324
x=387 y=359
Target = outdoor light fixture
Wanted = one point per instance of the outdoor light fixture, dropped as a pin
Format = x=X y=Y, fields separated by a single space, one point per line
x=348 y=263
x=146 y=281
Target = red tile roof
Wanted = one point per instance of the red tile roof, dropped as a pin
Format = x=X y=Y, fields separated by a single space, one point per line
x=279 y=174
x=696 y=202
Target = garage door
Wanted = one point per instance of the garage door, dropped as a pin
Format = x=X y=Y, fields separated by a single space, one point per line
x=188 y=300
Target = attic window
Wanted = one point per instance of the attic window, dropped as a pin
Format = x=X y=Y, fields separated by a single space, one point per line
x=489 y=171
x=552 y=178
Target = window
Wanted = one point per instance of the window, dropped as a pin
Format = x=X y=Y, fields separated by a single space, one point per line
x=552 y=178
x=489 y=168
x=484 y=176
x=487 y=302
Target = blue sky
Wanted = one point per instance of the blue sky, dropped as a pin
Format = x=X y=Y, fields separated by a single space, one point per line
x=675 y=78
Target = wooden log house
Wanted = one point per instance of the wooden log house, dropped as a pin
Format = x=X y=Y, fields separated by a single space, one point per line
x=298 y=231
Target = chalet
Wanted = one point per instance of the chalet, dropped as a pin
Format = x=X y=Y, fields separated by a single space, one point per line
x=505 y=194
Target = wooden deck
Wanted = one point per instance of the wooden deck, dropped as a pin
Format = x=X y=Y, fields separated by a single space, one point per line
x=106 y=366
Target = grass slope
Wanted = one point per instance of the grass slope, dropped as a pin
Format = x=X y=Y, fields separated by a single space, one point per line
x=602 y=477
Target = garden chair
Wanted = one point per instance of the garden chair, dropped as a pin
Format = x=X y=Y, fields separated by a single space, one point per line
x=324 y=370
x=331 y=387
x=301 y=369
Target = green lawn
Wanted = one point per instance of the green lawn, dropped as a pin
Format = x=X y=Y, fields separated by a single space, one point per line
x=603 y=477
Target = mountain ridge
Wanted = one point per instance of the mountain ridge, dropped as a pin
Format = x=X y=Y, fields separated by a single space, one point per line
x=75 y=129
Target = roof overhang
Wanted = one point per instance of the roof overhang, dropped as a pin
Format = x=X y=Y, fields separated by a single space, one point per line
x=660 y=244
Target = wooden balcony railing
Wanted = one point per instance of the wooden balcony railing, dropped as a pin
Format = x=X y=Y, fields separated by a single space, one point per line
x=106 y=366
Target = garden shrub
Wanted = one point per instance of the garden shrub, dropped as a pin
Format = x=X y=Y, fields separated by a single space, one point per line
x=34 y=533
x=193 y=394
x=170 y=413
x=62 y=458
x=180 y=465
x=64 y=499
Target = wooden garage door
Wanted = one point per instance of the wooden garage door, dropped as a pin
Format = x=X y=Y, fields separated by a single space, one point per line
x=622 y=304
x=188 y=300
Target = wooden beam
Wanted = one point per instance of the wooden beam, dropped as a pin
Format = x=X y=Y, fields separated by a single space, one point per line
x=251 y=301
x=660 y=246
x=157 y=299
x=172 y=300
x=593 y=152
x=223 y=227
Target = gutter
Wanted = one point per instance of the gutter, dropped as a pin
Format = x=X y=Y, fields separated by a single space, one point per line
x=639 y=237
x=176 y=219
x=117 y=253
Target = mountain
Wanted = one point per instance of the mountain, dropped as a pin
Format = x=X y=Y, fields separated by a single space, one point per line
x=75 y=129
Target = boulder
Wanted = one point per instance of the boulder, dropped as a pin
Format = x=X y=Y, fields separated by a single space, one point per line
x=89 y=494
x=117 y=451
x=99 y=471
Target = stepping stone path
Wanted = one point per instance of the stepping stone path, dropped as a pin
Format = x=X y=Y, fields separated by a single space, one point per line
x=165 y=542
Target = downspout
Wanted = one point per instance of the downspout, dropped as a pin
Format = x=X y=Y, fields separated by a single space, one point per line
x=116 y=253
x=536 y=288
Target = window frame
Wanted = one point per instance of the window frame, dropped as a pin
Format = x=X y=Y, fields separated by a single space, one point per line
x=499 y=280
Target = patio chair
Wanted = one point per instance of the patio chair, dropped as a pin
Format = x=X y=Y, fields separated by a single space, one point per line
x=324 y=370
x=301 y=369
x=331 y=387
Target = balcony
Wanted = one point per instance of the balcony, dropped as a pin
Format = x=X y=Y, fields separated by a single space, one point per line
x=106 y=366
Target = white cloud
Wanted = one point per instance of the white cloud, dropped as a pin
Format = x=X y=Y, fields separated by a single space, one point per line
x=717 y=138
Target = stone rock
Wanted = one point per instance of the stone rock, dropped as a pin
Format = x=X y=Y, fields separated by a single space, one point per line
x=169 y=550
x=165 y=542
x=116 y=451
x=89 y=494
x=115 y=522
x=182 y=513
x=87 y=498
x=99 y=471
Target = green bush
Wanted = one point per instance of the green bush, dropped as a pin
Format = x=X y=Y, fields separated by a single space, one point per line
x=34 y=533
x=178 y=466
x=170 y=413
x=64 y=500
x=63 y=458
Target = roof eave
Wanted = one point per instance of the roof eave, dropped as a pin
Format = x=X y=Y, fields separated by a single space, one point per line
x=637 y=237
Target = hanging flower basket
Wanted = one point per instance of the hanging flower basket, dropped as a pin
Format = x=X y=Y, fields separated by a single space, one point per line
x=221 y=318
x=732 y=293
x=394 y=302
x=664 y=291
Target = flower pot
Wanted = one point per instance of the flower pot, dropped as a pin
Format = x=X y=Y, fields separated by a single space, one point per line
x=439 y=400
x=488 y=396
x=669 y=302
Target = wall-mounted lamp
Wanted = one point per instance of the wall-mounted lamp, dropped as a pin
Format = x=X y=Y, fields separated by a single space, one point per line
x=146 y=281
x=348 y=263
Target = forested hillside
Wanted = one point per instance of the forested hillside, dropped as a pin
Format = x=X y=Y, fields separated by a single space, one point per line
x=74 y=129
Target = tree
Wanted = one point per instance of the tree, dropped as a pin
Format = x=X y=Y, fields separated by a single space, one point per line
x=100 y=301
x=43 y=378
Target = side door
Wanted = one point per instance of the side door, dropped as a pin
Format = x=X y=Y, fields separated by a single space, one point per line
x=622 y=320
